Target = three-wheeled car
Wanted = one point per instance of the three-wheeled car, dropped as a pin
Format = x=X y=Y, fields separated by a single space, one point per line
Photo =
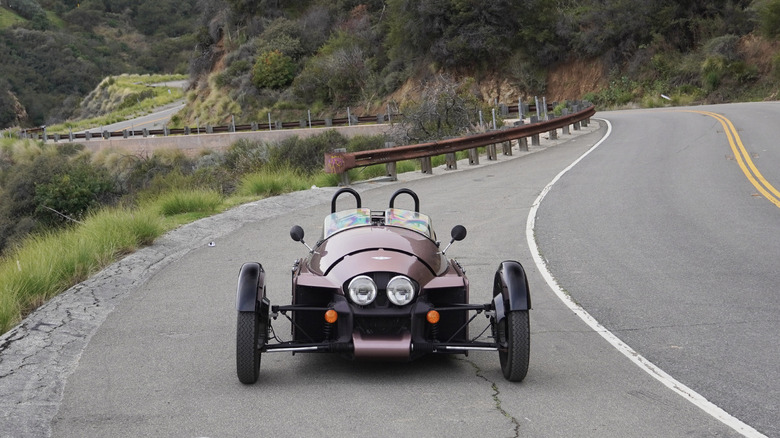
x=377 y=285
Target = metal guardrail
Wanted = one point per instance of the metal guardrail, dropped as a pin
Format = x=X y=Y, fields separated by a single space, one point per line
x=339 y=162
x=40 y=133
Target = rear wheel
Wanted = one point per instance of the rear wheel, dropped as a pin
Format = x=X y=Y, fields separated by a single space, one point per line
x=249 y=339
x=514 y=338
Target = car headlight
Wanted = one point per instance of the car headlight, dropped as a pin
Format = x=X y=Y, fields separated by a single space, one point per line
x=362 y=290
x=400 y=290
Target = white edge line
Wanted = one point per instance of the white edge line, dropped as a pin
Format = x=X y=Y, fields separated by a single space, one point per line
x=647 y=366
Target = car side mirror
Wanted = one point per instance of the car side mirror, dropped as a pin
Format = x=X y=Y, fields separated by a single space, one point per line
x=458 y=233
x=296 y=233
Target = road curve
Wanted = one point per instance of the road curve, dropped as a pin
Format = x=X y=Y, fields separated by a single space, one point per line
x=162 y=362
x=667 y=235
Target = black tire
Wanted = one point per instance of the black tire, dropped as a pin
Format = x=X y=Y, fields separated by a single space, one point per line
x=248 y=342
x=514 y=337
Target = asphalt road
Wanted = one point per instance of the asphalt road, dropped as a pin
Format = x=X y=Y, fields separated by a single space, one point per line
x=155 y=120
x=661 y=236
x=162 y=363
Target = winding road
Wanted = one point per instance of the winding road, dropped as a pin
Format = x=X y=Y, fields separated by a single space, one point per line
x=658 y=233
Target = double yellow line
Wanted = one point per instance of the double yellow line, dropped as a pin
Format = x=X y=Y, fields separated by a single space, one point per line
x=743 y=159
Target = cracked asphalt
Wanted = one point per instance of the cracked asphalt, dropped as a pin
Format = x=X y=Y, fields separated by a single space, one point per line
x=146 y=347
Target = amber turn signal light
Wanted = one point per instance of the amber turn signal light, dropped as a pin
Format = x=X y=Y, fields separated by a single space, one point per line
x=331 y=316
x=432 y=316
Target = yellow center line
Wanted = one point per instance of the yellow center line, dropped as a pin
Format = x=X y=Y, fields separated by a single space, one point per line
x=743 y=159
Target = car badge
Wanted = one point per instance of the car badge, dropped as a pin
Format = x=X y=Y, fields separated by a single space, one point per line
x=381 y=258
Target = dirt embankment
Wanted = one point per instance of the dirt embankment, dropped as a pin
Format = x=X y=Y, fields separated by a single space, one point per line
x=575 y=79
x=570 y=81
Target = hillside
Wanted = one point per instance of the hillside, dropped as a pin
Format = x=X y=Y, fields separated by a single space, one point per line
x=325 y=56
x=55 y=52
x=248 y=58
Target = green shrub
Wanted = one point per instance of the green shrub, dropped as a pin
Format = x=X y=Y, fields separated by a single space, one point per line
x=306 y=154
x=273 y=70
x=365 y=143
x=72 y=194
x=769 y=18
x=246 y=155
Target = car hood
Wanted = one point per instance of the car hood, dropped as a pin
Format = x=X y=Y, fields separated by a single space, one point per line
x=377 y=248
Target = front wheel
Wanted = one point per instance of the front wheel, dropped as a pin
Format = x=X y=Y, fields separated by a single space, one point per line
x=514 y=339
x=248 y=336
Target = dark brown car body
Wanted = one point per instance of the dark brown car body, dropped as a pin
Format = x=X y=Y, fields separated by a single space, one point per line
x=378 y=246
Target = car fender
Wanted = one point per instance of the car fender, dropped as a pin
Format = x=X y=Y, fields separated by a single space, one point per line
x=251 y=280
x=510 y=289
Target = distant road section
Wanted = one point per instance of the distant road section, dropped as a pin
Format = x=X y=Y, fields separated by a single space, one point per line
x=155 y=120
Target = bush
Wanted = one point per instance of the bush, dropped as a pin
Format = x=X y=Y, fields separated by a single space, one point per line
x=273 y=70
x=306 y=154
x=769 y=18
x=338 y=74
x=246 y=155
x=71 y=195
x=445 y=109
x=365 y=143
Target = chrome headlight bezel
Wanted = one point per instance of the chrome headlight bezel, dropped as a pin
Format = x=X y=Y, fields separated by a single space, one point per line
x=362 y=290
x=401 y=290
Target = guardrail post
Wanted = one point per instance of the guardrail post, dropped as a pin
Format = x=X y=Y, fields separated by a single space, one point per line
x=473 y=156
x=167 y=132
x=278 y=125
x=124 y=133
x=56 y=138
x=425 y=165
x=535 y=138
x=187 y=130
x=106 y=135
x=145 y=132
x=390 y=168
x=380 y=118
x=70 y=136
x=507 y=146
x=491 y=152
x=302 y=123
x=328 y=121
x=209 y=130
x=450 y=161
x=254 y=126
x=504 y=110
x=554 y=132
x=87 y=135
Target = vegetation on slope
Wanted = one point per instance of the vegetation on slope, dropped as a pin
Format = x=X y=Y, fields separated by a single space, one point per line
x=55 y=52
x=254 y=57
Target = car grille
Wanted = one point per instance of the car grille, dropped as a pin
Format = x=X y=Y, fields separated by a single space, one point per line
x=382 y=325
